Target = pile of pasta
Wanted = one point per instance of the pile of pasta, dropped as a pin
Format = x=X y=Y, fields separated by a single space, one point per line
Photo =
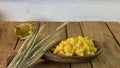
x=75 y=46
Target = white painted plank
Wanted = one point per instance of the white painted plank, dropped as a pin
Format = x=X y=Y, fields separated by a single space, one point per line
x=60 y=10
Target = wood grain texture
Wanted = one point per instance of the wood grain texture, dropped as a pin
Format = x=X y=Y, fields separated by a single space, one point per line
x=74 y=30
x=107 y=34
x=115 y=30
x=7 y=41
x=99 y=32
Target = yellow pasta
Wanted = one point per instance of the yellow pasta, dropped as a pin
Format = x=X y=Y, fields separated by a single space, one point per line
x=79 y=46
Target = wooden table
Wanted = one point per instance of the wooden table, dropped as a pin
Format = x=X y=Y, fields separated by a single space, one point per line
x=106 y=33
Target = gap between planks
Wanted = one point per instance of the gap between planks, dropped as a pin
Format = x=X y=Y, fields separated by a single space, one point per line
x=74 y=30
x=112 y=34
x=7 y=40
x=96 y=31
x=83 y=36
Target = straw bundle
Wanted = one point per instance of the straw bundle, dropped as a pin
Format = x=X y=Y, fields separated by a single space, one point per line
x=34 y=47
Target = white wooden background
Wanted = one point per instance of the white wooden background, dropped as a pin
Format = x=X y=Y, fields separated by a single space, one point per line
x=60 y=10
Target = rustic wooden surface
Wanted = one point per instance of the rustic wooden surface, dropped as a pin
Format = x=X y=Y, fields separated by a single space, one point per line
x=106 y=33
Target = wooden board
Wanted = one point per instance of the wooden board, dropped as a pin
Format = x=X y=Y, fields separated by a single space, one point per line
x=113 y=27
x=107 y=34
x=99 y=32
x=7 y=41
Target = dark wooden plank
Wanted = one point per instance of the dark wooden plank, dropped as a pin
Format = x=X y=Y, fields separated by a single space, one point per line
x=111 y=51
x=7 y=41
x=115 y=29
x=74 y=30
